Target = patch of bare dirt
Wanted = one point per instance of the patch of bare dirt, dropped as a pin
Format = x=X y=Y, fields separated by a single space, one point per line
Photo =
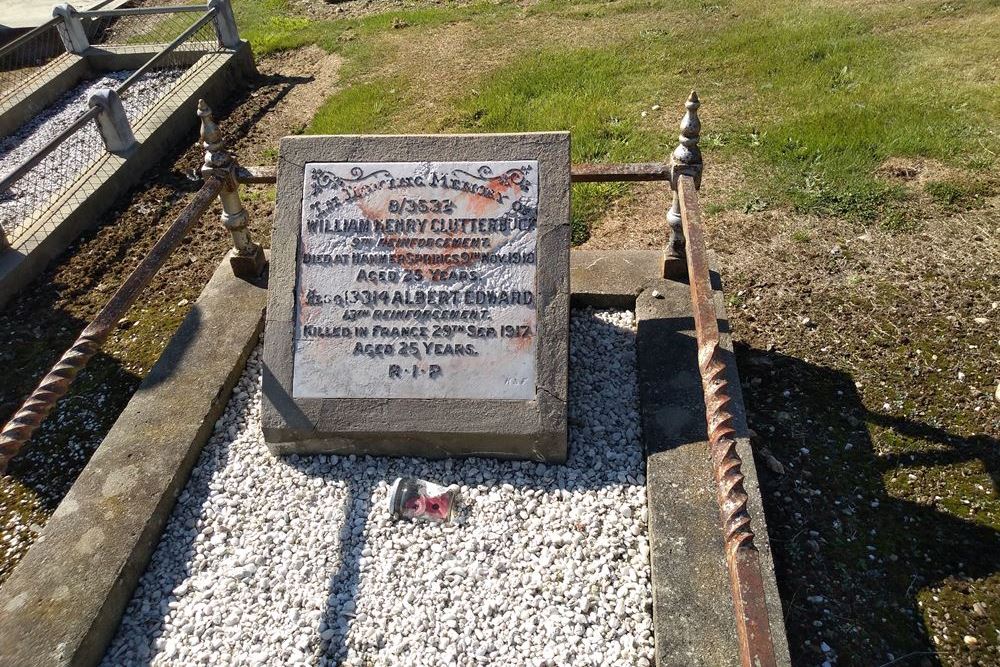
x=312 y=75
x=916 y=171
x=349 y=9
x=639 y=221
x=869 y=363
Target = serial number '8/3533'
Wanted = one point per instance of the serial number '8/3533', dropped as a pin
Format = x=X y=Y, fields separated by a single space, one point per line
x=406 y=205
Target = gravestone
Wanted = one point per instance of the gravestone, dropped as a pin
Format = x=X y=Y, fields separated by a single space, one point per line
x=419 y=296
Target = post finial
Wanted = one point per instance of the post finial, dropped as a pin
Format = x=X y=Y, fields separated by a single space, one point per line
x=686 y=158
x=216 y=155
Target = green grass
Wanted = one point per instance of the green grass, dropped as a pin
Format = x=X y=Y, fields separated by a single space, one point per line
x=956 y=194
x=809 y=99
x=362 y=108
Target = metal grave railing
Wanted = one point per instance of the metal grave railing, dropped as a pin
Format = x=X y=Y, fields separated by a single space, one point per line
x=47 y=154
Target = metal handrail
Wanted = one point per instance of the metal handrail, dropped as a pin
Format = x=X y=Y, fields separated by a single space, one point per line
x=57 y=382
x=92 y=113
x=753 y=627
x=180 y=39
x=247 y=261
x=579 y=173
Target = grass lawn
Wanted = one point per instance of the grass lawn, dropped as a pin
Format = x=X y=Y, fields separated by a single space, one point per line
x=851 y=190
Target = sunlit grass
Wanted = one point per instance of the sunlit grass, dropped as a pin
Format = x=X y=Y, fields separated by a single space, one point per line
x=810 y=99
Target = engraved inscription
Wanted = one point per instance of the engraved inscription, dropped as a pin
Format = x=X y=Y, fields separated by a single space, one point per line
x=417 y=280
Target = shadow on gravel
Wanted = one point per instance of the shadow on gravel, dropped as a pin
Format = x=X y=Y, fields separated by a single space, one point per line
x=345 y=579
x=852 y=558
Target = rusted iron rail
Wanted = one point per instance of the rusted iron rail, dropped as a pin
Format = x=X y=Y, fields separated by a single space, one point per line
x=604 y=173
x=742 y=557
x=257 y=175
x=55 y=385
x=579 y=173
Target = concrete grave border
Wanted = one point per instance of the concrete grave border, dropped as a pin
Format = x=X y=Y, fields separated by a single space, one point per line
x=533 y=429
x=64 y=601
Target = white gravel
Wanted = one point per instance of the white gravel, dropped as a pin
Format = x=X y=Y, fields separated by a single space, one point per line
x=295 y=561
x=78 y=152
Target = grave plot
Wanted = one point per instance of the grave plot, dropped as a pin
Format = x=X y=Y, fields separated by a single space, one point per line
x=589 y=533
x=91 y=100
x=288 y=560
x=64 y=164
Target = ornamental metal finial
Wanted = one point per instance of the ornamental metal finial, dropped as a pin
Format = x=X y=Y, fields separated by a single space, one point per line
x=686 y=157
x=216 y=155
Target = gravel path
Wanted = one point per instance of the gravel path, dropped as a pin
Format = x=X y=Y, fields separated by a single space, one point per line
x=295 y=561
x=77 y=153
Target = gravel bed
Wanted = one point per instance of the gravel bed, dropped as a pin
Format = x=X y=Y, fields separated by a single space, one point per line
x=77 y=153
x=296 y=561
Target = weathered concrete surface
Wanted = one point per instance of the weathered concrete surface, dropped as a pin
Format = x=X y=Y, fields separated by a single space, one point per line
x=213 y=77
x=62 y=604
x=24 y=14
x=693 y=619
x=611 y=279
x=531 y=429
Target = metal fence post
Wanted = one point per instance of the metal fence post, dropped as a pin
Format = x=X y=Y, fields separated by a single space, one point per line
x=248 y=260
x=74 y=37
x=112 y=123
x=225 y=23
x=686 y=159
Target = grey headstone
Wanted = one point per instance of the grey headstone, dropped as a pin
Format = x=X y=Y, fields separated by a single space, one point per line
x=419 y=296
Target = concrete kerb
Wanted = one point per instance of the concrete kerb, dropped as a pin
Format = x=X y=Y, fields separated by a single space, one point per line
x=62 y=74
x=63 y=603
x=212 y=77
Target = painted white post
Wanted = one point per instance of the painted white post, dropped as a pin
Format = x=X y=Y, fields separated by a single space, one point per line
x=112 y=123
x=74 y=37
x=225 y=23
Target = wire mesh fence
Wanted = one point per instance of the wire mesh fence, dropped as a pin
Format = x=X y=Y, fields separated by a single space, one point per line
x=162 y=47
x=137 y=32
x=23 y=60
x=35 y=190
x=186 y=54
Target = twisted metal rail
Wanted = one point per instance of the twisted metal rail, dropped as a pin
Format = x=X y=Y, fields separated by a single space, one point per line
x=55 y=385
x=742 y=557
